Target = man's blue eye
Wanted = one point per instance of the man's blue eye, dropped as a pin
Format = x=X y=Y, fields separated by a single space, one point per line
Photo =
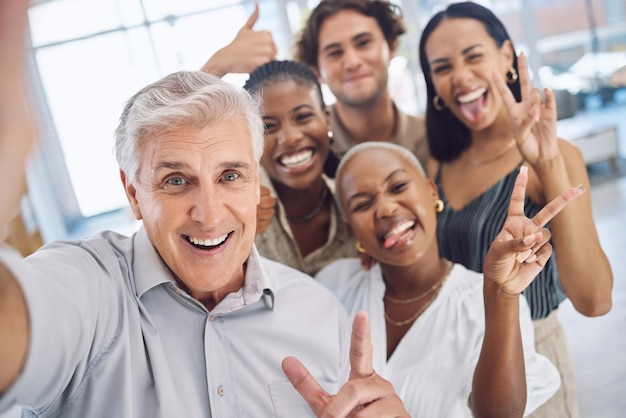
x=231 y=176
x=176 y=181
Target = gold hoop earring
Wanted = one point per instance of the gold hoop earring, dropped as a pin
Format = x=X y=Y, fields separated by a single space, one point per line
x=438 y=104
x=511 y=76
x=359 y=247
x=330 y=135
x=439 y=206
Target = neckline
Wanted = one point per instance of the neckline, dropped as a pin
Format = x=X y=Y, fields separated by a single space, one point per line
x=448 y=207
x=495 y=157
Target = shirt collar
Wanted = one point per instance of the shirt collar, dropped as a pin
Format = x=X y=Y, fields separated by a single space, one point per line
x=148 y=267
x=151 y=271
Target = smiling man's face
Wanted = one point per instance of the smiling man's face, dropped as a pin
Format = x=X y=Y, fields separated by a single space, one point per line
x=197 y=191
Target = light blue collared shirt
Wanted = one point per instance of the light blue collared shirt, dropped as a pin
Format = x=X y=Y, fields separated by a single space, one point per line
x=113 y=335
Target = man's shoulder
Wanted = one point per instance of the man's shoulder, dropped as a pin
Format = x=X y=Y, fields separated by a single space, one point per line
x=101 y=245
x=297 y=287
x=284 y=277
x=345 y=276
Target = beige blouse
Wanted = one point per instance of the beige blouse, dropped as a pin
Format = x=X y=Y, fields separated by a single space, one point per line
x=278 y=243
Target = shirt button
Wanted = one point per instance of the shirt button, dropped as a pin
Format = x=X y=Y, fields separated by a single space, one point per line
x=211 y=317
x=221 y=390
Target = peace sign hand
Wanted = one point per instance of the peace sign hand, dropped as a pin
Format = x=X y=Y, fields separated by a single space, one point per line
x=366 y=394
x=521 y=249
x=533 y=120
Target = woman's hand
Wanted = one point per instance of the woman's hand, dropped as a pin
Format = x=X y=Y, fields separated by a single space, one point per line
x=365 y=393
x=250 y=49
x=521 y=249
x=533 y=119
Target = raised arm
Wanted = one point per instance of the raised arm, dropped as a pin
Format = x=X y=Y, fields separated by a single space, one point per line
x=515 y=257
x=17 y=133
x=556 y=165
x=247 y=51
x=365 y=390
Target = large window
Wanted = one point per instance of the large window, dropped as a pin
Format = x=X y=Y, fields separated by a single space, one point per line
x=93 y=55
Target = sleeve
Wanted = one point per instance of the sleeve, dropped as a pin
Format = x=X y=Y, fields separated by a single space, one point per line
x=542 y=378
x=74 y=313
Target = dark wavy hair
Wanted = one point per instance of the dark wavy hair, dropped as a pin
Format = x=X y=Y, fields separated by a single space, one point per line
x=388 y=16
x=447 y=136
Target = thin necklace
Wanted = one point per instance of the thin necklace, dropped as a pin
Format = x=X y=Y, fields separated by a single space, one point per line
x=492 y=158
x=314 y=212
x=421 y=311
x=426 y=293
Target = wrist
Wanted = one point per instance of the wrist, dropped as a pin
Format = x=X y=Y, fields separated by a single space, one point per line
x=212 y=66
x=495 y=293
x=546 y=168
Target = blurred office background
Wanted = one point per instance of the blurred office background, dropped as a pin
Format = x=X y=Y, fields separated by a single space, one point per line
x=90 y=56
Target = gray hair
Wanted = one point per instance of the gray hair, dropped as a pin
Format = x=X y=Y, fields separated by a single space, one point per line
x=182 y=99
x=398 y=149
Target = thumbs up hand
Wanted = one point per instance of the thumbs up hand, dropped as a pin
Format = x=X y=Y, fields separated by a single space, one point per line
x=248 y=50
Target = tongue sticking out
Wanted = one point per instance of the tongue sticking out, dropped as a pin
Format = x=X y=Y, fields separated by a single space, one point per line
x=473 y=109
x=393 y=239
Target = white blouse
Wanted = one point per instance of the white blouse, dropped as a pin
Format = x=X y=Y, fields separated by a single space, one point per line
x=432 y=367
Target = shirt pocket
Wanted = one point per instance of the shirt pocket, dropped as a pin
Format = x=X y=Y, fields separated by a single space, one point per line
x=288 y=403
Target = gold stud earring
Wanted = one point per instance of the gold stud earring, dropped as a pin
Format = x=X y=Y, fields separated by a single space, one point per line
x=359 y=247
x=330 y=135
x=511 y=76
x=438 y=104
x=439 y=206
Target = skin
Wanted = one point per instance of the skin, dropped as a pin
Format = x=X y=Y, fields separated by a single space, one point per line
x=379 y=190
x=17 y=137
x=365 y=395
x=200 y=183
x=250 y=49
x=463 y=59
x=297 y=123
x=353 y=60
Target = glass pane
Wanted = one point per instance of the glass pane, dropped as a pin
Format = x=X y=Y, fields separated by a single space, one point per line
x=86 y=94
x=187 y=42
x=160 y=9
x=57 y=21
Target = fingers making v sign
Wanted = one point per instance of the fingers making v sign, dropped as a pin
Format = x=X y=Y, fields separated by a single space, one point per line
x=521 y=249
x=366 y=394
x=533 y=119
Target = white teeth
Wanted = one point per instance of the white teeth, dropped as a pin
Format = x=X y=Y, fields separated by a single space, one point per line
x=297 y=158
x=401 y=227
x=470 y=97
x=208 y=242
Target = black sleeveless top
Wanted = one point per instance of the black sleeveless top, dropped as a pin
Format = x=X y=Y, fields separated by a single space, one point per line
x=465 y=235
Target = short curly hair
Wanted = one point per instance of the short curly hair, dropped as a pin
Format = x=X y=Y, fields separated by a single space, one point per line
x=276 y=71
x=388 y=16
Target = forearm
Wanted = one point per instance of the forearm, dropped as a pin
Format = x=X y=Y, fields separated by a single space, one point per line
x=499 y=384
x=14 y=328
x=584 y=270
x=218 y=64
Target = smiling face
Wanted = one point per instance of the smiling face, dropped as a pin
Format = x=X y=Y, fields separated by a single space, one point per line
x=196 y=192
x=353 y=57
x=389 y=205
x=462 y=56
x=296 y=133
